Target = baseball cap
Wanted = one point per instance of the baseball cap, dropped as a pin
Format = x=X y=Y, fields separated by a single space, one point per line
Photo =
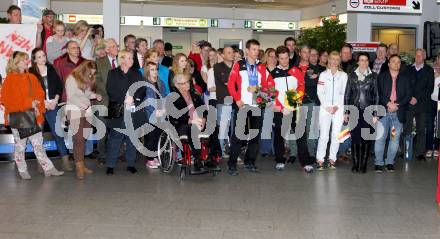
x=47 y=12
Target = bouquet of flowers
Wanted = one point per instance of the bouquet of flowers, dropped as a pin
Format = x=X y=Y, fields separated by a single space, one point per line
x=293 y=99
x=265 y=95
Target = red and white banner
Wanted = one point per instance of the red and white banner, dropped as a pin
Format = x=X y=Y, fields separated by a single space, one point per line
x=389 y=6
x=15 y=37
x=364 y=46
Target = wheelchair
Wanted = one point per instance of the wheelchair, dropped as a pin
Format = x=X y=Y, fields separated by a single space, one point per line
x=170 y=156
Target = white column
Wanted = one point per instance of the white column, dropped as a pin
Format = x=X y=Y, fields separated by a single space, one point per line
x=359 y=27
x=111 y=10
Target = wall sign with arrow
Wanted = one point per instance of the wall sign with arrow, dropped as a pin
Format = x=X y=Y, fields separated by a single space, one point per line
x=386 y=6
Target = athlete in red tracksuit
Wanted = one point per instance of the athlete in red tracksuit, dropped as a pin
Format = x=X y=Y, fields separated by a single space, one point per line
x=287 y=78
x=245 y=75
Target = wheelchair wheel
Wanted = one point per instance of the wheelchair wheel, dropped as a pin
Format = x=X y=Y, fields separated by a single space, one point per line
x=166 y=153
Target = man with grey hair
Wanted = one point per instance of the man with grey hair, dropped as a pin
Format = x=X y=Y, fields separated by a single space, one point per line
x=104 y=65
x=421 y=78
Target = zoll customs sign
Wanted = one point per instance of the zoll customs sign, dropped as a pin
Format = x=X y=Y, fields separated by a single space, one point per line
x=386 y=6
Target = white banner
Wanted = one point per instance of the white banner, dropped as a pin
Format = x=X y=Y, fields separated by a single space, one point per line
x=15 y=37
x=386 y=6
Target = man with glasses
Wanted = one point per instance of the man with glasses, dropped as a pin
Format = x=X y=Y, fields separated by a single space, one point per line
x=69 y=61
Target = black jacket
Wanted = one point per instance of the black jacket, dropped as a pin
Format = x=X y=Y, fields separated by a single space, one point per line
x=294 y=60
x=136 y=64
x=311 y=85
x=180 y=104
x=167 y=61
x=403 y=91
x=54 y=82
x=118 y=85
x=422 y=85
x=221 y=75
x=385 y=66
x=349 y=66
x=361 y=93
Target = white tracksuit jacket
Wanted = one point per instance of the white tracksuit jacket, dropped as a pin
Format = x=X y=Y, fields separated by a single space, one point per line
x=331 y=91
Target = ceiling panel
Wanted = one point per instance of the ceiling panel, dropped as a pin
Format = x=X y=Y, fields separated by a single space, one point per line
x=277 y=4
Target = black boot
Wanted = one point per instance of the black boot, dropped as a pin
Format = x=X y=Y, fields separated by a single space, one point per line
x=355 y=153
x=365 y=156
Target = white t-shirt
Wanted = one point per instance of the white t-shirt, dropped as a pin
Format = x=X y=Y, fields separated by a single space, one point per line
x=211 y=83
x=87 y=51
x=434 y=95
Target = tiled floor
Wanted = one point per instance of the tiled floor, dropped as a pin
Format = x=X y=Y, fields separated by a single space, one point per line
x=290 y=204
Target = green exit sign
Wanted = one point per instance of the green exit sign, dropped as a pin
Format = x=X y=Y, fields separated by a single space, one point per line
x=247 y=24
x=214 y=22
x=156 y=21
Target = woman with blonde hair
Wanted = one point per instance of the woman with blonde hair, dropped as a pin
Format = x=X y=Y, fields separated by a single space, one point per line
x=180 y=66
x=82 y=32
x=122 y=101
x=331 y=92
x=55 y=44
x=22 y=92
x=152 y=55
x=80 y=86
x=270 y=59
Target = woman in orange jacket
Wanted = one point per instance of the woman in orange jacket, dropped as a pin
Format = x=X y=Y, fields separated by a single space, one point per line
x=21 y=91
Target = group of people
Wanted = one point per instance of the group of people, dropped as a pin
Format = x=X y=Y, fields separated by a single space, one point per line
x=376 y=99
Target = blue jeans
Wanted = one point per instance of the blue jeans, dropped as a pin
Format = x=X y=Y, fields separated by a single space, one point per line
x=227 y=126
x=51 y=117
x=114 y=143
x=388 y=121
x=343 y=147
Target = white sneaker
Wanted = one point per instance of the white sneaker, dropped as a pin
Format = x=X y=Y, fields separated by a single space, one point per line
x=151 y=164
x=435 y=153
x=203 y=136
x=308 y=169
x=280 y=166
x=156 y=162
x=428 y=154
x=53 y=172
x=240 y=161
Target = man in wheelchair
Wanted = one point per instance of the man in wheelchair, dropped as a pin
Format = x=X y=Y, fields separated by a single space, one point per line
x=188 y=98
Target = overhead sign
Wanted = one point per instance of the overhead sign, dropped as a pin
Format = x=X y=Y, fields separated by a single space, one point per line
x=90 y=19
x=184 y=22
x=137 y=21
x=275 y=25
x=386 y=6
x=364 y=46
x=247 y=24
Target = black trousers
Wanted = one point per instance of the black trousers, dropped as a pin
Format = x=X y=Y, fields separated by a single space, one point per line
x=214 y=142
x=151 y=140
x=279 y=141
x=186 y=130
x=252 y=122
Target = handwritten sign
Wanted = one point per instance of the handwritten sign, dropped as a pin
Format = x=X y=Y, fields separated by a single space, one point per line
x=15 y=37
